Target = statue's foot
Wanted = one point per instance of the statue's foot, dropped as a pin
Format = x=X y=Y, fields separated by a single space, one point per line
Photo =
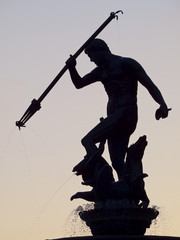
x=81 y=166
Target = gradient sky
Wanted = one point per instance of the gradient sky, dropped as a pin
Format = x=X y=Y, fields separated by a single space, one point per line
x=37 y=36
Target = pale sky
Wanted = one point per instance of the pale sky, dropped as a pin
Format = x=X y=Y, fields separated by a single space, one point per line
x=37 y=36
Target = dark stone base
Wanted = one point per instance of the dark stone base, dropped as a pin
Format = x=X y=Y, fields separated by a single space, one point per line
x=120 y=238
x=119 y=221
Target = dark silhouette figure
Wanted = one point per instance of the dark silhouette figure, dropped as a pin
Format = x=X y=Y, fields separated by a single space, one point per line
x=120 y=77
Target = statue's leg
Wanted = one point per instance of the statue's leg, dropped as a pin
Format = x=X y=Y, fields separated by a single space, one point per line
x=118 y=145
x=117 y=128
x=99 y=133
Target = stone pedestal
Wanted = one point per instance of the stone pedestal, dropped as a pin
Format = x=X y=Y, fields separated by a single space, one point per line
x=119 y=221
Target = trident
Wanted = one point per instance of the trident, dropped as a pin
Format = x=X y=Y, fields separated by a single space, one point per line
x=36 y=104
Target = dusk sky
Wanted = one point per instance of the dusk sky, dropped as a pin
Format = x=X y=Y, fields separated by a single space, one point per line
x=36 y=179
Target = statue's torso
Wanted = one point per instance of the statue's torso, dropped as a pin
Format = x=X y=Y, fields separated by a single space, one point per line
x=119 y=80
x=120 y=83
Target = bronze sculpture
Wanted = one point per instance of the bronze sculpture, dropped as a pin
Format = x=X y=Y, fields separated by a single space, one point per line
x=121 y=208
x=120 y=77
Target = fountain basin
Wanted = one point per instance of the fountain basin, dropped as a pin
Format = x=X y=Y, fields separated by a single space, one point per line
x=119 y=221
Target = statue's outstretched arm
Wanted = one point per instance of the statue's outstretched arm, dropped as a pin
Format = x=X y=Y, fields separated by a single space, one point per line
x=145 y=80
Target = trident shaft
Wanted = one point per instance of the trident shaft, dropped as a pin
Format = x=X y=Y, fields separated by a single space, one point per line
x=36 y=104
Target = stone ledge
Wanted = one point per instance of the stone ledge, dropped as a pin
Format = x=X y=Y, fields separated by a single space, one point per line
x=119 y=238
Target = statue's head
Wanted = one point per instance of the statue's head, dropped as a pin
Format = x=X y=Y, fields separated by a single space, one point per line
x=96 y=51
x=97 y=45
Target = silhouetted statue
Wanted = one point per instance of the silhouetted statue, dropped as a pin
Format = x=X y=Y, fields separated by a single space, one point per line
x=120 y=77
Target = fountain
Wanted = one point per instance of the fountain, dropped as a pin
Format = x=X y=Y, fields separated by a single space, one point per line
x=121 y=208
